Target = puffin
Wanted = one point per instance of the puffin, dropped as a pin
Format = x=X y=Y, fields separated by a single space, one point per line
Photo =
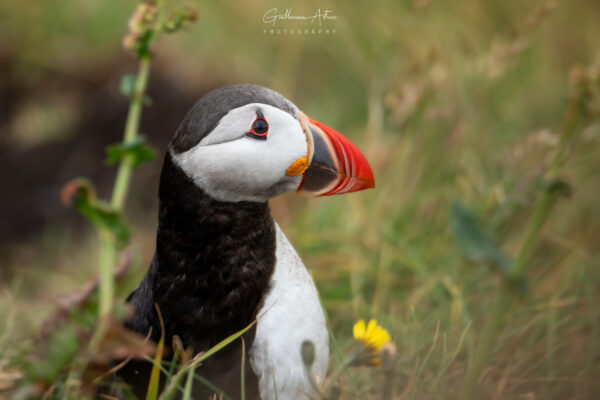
x=222 y=263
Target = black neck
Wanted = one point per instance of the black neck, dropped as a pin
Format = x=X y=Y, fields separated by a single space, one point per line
x=214 y=261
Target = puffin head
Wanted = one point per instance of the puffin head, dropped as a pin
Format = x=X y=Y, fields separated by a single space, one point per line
x=249 y=143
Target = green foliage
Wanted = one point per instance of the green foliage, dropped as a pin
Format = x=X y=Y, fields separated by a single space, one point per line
x=558 y=188
x=62 y=339
x=77 y=339
x=62 y=347
x=127 y=85
x=476 y=244
x=137 y=151
x=102 y=215
x=452 y=102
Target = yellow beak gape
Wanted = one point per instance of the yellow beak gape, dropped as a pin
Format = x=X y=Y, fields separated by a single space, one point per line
x=298 y=167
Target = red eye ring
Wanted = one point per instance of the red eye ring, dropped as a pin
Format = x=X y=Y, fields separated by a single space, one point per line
x=260 y=128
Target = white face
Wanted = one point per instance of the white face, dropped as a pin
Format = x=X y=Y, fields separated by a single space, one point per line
x=231 y=166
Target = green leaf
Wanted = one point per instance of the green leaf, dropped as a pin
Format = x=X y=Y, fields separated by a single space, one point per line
x=473 y=241
x=138 y=151
x=61 y=349
x=142 y=46
x=105 y=219
x=127 y=85
x=62 y=336
x=152 y=392
x=558 y=188
x=99 y=213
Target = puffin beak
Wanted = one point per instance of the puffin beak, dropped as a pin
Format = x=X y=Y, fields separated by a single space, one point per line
x=335 y=165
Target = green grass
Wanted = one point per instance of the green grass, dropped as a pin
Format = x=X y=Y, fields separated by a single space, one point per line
x=453 y=102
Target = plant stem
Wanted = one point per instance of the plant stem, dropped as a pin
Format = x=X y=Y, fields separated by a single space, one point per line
x=342 y=368
x=108 y=251
x=108 y=245
x=542 y=208
x=107 y=261
x=543 y=205
x=131 y=131
x=187 y=391
x=546 y=200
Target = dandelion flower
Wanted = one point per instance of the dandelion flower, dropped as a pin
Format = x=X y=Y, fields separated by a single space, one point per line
x=372 y=336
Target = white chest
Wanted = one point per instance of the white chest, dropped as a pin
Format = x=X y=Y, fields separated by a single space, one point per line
x=290 y=315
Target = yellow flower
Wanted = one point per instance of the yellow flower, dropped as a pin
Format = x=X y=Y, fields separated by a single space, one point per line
x=372 y=336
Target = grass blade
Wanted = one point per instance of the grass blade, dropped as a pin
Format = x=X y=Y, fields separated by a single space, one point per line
x=187 y=391
x=242 y=384
x=152 y=393
x=171 y=389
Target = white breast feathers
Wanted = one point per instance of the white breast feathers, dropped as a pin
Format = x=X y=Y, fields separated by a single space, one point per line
x=290 y=315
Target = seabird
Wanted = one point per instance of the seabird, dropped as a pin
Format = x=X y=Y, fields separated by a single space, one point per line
x=222 y=262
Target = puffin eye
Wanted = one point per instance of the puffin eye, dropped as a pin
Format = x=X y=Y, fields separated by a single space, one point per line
x=260 y=127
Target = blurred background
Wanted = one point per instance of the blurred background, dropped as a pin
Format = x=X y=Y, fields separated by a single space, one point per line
x=453 y=102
